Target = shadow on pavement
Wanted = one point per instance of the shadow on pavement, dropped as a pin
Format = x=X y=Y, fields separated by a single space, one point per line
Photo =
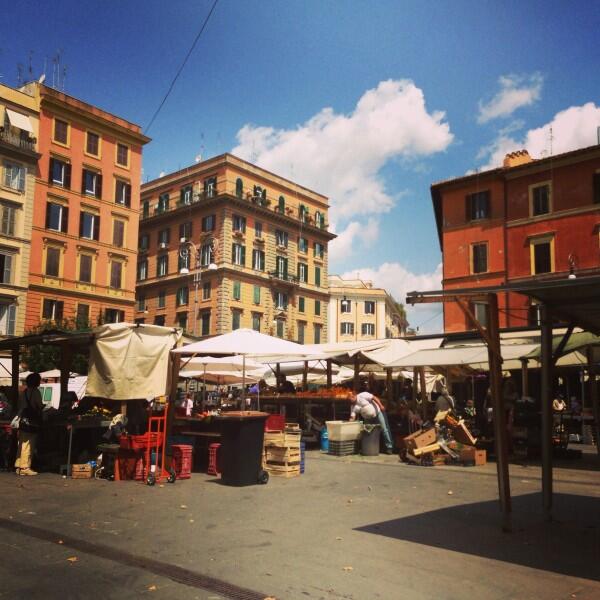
x=570 y=545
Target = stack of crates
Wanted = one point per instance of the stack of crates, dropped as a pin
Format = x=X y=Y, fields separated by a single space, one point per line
x=181 y=460
x=282 y=457
x=344 y=437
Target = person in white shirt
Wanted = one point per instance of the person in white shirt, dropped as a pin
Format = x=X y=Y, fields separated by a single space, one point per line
x=371 y=410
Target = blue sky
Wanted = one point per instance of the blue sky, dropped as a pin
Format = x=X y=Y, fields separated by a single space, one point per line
x=394 y=95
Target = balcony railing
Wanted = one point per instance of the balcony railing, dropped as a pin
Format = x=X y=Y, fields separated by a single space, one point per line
x=284 y=277
x=17 y=140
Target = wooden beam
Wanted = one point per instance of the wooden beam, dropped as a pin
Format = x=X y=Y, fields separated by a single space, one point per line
x=547 y=373
x=563 y=342
x=305 y=376
x=389 y=382
x=442 y=299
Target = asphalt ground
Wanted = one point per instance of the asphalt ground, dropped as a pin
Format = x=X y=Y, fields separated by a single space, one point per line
x=352 y=528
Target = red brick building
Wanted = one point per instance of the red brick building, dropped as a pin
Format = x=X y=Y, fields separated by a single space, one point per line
x=529 y=219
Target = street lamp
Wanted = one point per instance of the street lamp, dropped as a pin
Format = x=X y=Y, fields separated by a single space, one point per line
x=186 y=250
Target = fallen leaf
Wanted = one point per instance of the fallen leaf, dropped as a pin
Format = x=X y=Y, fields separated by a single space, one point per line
x=183 y=506
x=450 y=492
x=350 y=501
x=347 y=569
x=72 y=559
x=370 y=488
x=191 y=520
x=152 y=588
x=162 y=485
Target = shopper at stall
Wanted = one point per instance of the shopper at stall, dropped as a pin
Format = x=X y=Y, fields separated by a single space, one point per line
x=284 y=386
x=30 y=422
x=371 y=410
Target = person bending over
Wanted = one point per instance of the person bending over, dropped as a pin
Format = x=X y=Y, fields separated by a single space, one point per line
x=371 y=410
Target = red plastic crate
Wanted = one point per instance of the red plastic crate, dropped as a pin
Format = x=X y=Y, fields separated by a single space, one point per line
x=275 y=423
x=139 y=442
x=213 y=462
x=181 y=460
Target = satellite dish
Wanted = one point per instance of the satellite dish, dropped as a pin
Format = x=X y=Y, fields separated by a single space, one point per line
x=198 y=158
x=42 y=78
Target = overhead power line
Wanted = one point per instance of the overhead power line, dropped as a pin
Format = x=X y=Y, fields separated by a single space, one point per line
x=182 y=65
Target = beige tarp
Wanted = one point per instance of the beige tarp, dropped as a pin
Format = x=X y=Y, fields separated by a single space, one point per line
x=128 y=362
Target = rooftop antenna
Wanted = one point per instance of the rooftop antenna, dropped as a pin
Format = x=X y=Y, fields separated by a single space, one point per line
x=19 y=73
x=551 y=140
x=30 y=69
x=64 y=77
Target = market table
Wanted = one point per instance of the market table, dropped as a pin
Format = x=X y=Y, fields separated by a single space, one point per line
x=72 y=425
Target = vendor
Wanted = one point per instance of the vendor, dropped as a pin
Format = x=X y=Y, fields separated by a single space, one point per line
x=30 y=412
x=284 y=386
x=444 y=401
x=371 y=410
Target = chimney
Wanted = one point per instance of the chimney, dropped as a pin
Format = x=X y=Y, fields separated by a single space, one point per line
x=514 y=159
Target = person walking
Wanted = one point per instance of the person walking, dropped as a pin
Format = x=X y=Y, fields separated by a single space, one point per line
x=371 y=409
x=30 y=423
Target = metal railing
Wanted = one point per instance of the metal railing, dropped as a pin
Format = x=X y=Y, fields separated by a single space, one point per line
x=17 y=140
x=284 y=277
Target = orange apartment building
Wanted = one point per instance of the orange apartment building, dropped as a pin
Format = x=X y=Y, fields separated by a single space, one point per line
x=529 y=219
x=85 y=217
x=260 y=258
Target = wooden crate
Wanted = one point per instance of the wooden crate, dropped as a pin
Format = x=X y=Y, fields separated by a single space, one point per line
x=473 y=456
x=290 y=439
x=419 y=439
x=83 y=471
x=283 y=468
x=281 y=454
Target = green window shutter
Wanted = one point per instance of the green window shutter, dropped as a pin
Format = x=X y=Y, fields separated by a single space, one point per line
x=318 y=276
x=317 y=307
x=243 y=256
x=285 y=268
x=301 y=304
x=257 y=294
x=237 y=293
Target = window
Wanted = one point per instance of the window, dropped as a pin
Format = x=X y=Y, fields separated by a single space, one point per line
x=52 y=310
x=208 y=223
x=301 y=303
x=540 y=199
x=85 y=268
x=281 y=264
x=141 y=301
x=302 y=244
x=185 y=195
x=367 y=329
x=236 y=317
x=114 y=315
x=122 y=155
x=346 y=328
x=478 y=206
x=346 y=306
x=238 y=254
x=319 y=250
x=302 y=272
x=52 y=261
x=317 y=333
x=182 y=296
x=319 y=220
x=162 y=265
x=164 y=236
x=159 y=320
x=281 y=238
x=123 y=195
x=480 y=312
x=57 y=217
x=182 y=320
x=183 y=262
x=92 y=143
x=281 y=205
x=596 y=188
x=163 y=203
x=317 y=307
x=280 y=328
x=61 y=131
x=479 y=258
x=256 y=321
x=237 y=290
x=116 y=275
x=162 y=299
x=145 y=209
x=239 y=187
x=142 y=270
x=258 y=230
x=91 y=183
x=207 y=254
x=7 y=219
x=317 y=275
x=542 y=256
x=205 y=319
x=302 y=213
x=281 y=301
x=301 y=328
x=14 y=176
x=210 y=187
x=82 y=316
x=369 y=307
x=239 y=224
x=89 y=226
x=256 y=294
x=6 y=266
x=60 y=173
x=206 y=290
x=185 y=231
x=118 y=233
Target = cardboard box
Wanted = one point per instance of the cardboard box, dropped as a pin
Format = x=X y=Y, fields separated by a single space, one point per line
x=83 y=471
x=419 y=439
x=473 y=456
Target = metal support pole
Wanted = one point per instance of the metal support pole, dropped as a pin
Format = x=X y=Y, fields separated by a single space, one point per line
x=423 y=387
x=65 y=369
x=592 y=372
x=524 y=377
x=500 y=426
x=356 y=374
x=305 y=377
x=546 y=398
x=329 y=374
x=414 y=389
x=15 y=377
x=390 y=387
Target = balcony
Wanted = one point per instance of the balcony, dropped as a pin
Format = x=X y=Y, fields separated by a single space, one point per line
x=24 y=143
x=283 y=277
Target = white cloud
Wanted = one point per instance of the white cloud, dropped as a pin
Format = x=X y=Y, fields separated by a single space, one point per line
x=514 y=93
x=398 y=281
x=342 y=155
x=354 y=238
x=575 y=127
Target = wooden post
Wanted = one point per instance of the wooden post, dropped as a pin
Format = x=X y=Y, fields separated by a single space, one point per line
x=546 y=394
x=15 y=377
x=172 y=387
x=414 y=389
x=305 y=376
x=390 y=387
x=525 y=377
x=500 y=438
x=592 y=372
x=65 y=368
x=356 y=374
x=329 y=374
x=423 y=387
